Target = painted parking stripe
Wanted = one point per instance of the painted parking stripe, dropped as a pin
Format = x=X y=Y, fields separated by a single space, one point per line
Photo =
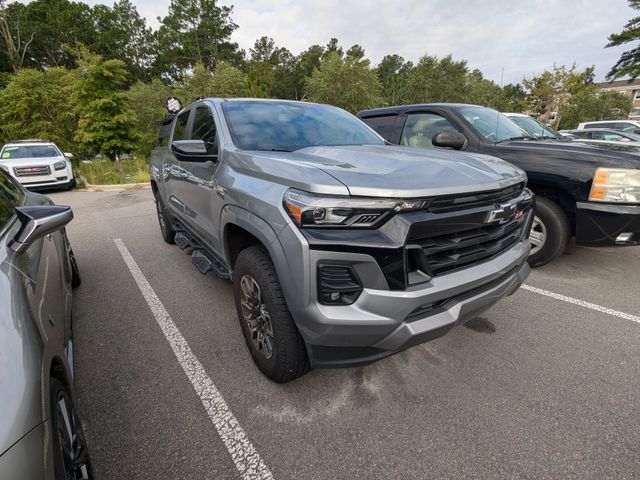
x=582 y=303
x=244 y=455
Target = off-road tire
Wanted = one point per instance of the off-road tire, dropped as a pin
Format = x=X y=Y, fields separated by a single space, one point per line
x=289 y=359
x=167 y=232
x=558 y=231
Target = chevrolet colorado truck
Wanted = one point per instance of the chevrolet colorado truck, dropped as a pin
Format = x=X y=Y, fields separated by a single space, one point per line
x=342 y=249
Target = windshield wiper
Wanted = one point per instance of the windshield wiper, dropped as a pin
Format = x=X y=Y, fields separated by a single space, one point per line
x=274 y=150
x=521 y=137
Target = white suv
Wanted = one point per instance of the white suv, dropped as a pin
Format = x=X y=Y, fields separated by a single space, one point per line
x=629 y=126
x=37 y=164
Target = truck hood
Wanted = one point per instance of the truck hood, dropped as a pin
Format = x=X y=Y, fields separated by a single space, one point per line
x=604 y=154
x=404 y=172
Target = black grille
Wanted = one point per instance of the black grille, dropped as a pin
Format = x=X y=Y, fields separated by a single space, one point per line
x=457 y=202
x=452 y=251
x=32 y=171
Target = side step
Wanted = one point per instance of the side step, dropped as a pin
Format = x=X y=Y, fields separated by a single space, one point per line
x=203 y=260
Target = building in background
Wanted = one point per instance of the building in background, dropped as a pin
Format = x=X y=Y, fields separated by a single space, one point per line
x=630 y=88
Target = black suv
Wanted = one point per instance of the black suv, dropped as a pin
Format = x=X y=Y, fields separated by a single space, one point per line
x=584 y=190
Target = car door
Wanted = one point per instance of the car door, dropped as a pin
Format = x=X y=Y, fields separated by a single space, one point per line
x=175 y=175
x=201 y=198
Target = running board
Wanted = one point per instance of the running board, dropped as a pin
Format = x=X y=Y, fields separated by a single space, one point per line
x=203 y=259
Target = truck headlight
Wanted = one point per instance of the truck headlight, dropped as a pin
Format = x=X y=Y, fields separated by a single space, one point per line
x=311 y=210
x=616 y=185
x=61 y=165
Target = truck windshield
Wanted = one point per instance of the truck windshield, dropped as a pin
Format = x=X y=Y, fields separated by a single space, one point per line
x=289 y=126
x=492 y=125
x=534 y=127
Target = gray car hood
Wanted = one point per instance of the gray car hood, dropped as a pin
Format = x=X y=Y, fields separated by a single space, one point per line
x=392 y=171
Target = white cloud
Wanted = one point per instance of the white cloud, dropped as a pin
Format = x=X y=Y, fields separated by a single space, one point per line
x=522 y=37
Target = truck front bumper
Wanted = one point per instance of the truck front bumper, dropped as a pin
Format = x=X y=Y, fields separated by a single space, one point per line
x=383 y=322
x=602 y=223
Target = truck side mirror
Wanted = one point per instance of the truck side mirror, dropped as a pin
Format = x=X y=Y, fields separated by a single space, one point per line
x=449 y=139
x=192 y=151
x=38 y=221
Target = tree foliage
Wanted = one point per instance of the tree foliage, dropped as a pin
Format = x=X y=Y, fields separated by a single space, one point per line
x=106 y=123
x=629 y=62
x=40 y=104
x=588 y=105
x=347 y=82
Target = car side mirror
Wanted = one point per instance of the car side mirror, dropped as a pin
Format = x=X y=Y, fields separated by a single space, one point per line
x=68 y=155
x=192 y=151
x=449 y=139
x=38 y=221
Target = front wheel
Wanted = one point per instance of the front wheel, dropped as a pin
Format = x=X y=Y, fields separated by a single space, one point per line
x=549 y=234
x=71 y=457
x=269 y=331
x=168 y=234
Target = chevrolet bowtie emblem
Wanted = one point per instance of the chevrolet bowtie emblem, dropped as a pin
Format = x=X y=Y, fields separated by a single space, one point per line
x=502 y=214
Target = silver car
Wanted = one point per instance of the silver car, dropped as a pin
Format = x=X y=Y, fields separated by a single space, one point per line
x=40 y=435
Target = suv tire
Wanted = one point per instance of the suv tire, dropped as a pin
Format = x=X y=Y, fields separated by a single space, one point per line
x=168 y=233
x=551 y=230
x=269 y=331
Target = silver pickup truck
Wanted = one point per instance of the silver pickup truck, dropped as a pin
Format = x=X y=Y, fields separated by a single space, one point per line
x=342 y=249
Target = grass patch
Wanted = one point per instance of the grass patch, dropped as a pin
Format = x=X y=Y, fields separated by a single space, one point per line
x=107 y=172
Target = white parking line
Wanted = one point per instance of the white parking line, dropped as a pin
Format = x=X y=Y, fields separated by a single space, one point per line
x=582 y=303
x=244 y=455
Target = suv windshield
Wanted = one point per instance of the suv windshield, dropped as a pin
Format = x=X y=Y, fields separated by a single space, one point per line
x=534 y=127
x=288 y=126
x=492 y=125
x=29 y=151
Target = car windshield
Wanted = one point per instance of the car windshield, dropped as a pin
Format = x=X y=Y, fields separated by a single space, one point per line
x=493 y=125
x=534 y=127
x=288 y=126
x=12 y=152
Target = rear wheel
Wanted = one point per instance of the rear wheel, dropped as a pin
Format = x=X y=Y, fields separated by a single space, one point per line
x=550 y=232
x=269 y=331
x=168 y=234
x=71 y=457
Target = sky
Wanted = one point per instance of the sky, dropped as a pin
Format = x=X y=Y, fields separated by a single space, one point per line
x=521 y=38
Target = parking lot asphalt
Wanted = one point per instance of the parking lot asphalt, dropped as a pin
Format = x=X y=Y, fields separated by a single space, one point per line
x=538 y=387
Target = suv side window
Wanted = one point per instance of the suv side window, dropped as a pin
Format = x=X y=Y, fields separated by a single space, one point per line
x=10 y=197
x=420 y=128
x=204 y=128
x=382 y=125
x=180 y=130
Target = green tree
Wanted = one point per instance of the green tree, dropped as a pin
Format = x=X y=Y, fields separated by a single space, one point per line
x=437 y=80
x=229 y=81
x=195 y=32
x=392 y=73
x=121 y=33
x=15 y=41
x=514 y=98
x=198 y=84
x=275 y=66
x=484 y=92
x=589 y=105
x=256 y=86
x=305 y=63
x=40 y=104
x=347 y=83
x=106 y=124
x=629 y=62
x=551 y=91
x=147 y=102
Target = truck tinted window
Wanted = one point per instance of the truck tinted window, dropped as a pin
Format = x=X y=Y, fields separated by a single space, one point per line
x=383 y=125
x=204 y=128
x=420 y=128
x=180 y=130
